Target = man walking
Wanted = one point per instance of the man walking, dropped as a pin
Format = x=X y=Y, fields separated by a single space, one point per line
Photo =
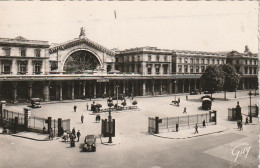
x=196 y=129
x=75 y=108
x=73 y=131
x=82 y=118
x=177 y=127
x=78 y=135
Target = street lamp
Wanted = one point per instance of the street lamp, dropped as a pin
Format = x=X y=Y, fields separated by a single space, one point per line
x=175 y=88
x=250 y=94
x=109 y=126
x=117 y=86
x=236 y=93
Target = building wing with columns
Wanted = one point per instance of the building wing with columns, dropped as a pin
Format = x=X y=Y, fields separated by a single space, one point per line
x=81 y=68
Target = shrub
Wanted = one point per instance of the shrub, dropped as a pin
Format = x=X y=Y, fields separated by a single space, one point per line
x=134 y=102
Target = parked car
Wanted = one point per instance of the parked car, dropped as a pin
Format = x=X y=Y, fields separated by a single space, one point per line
x=90 y=143
x=35 y=102
x=206 y=104
x=195 y=92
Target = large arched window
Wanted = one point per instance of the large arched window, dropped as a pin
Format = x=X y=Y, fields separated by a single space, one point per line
x=81 y=61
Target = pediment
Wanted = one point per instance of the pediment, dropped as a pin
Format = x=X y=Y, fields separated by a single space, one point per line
x=79 y=41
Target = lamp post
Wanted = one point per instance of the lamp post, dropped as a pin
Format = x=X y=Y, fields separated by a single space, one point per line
x=117 y=86
x=236 y=93
x=175 y=88
x=250 y=94
x=109 y=126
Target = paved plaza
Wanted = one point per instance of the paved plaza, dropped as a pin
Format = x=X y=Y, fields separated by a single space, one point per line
x=132 y=145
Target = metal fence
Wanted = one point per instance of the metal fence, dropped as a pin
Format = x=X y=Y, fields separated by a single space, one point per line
x=35 y=124
x=182 y=121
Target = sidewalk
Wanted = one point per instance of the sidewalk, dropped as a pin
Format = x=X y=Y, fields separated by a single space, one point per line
x=32 y=136
x=189 y=133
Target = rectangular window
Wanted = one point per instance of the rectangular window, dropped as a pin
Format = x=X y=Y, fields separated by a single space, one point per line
x=138 y=58
x=197 y=61
x=22 y=67
x=7 y=68
x=165 y=69
x=207 y=61
x=217 y=61
x=255 y=70
x=250 y=70
x=185 y=69
x=157 y=67
x=149 y=58
x=37 y=68
x=191 y=60
x=7 y=51
x=186 y=60
x=213 y=61
x=37 y=53
x=23 y=52
x=180 y=60
x=157 y=58
x=149 y=69
x=180 y=69
x=246 y=62
x=202 y=61
x=191 y=69
x=202 y=69
x=246 y=70
x=197 y=69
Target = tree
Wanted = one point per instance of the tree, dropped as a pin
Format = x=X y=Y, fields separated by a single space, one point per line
x=123 y=103
x=213 y=78
x=231 y=81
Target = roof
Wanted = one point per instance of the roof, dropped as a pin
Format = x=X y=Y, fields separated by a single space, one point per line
x=78 y=41
x=21 y=41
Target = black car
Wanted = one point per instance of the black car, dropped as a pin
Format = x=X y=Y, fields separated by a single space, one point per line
x=35 y=102
x=206 y=104
x=90 y=143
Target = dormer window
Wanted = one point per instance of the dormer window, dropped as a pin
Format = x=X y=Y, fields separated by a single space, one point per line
x=23 y=52
x=37 y=52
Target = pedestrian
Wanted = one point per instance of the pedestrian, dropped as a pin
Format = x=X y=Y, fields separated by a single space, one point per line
x=179 y=100
x=78 y=135
x=241 y=126
x=185 y=110
x=246 y=121
x=204 y=124
x=82 y=118
x=51 y=134
x=87 y=106
x=43 y=130
x=75 y=108
x=90 y=98
x=238 y=124
x=177 y=127
x=186 y=97
x=73 y=131
x=93 y=102
x=196 y=128
x=72 y=142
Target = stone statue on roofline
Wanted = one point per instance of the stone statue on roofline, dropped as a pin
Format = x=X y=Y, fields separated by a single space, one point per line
x=82 y=32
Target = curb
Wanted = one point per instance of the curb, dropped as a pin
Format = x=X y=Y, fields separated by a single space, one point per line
x=29 y=138
x=190 y=136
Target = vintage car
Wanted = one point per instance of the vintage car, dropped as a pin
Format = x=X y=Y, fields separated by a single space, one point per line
x=35 y=102
x=90 y=143
x=206 y=103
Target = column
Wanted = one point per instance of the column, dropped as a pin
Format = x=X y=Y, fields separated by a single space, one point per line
x=170 y=68
x=72 y=90
x=14 y=92
x=105 y=88
x=170 y=86
x=89 y=89
x=30 y=90
x=84 y=89
x=60 y=87
x=195 y=84
x=46 y=91
x=114 y=86
x=144 y=88
x=153 y=87
x=124 y=87
x=144 y=69
x=189 y=86
x=183 y=82
x=95 y=89
x=175 y=86
x=160 y=87
x=133 y=87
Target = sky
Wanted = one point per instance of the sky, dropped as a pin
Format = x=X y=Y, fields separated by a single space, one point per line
x=196 y=26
